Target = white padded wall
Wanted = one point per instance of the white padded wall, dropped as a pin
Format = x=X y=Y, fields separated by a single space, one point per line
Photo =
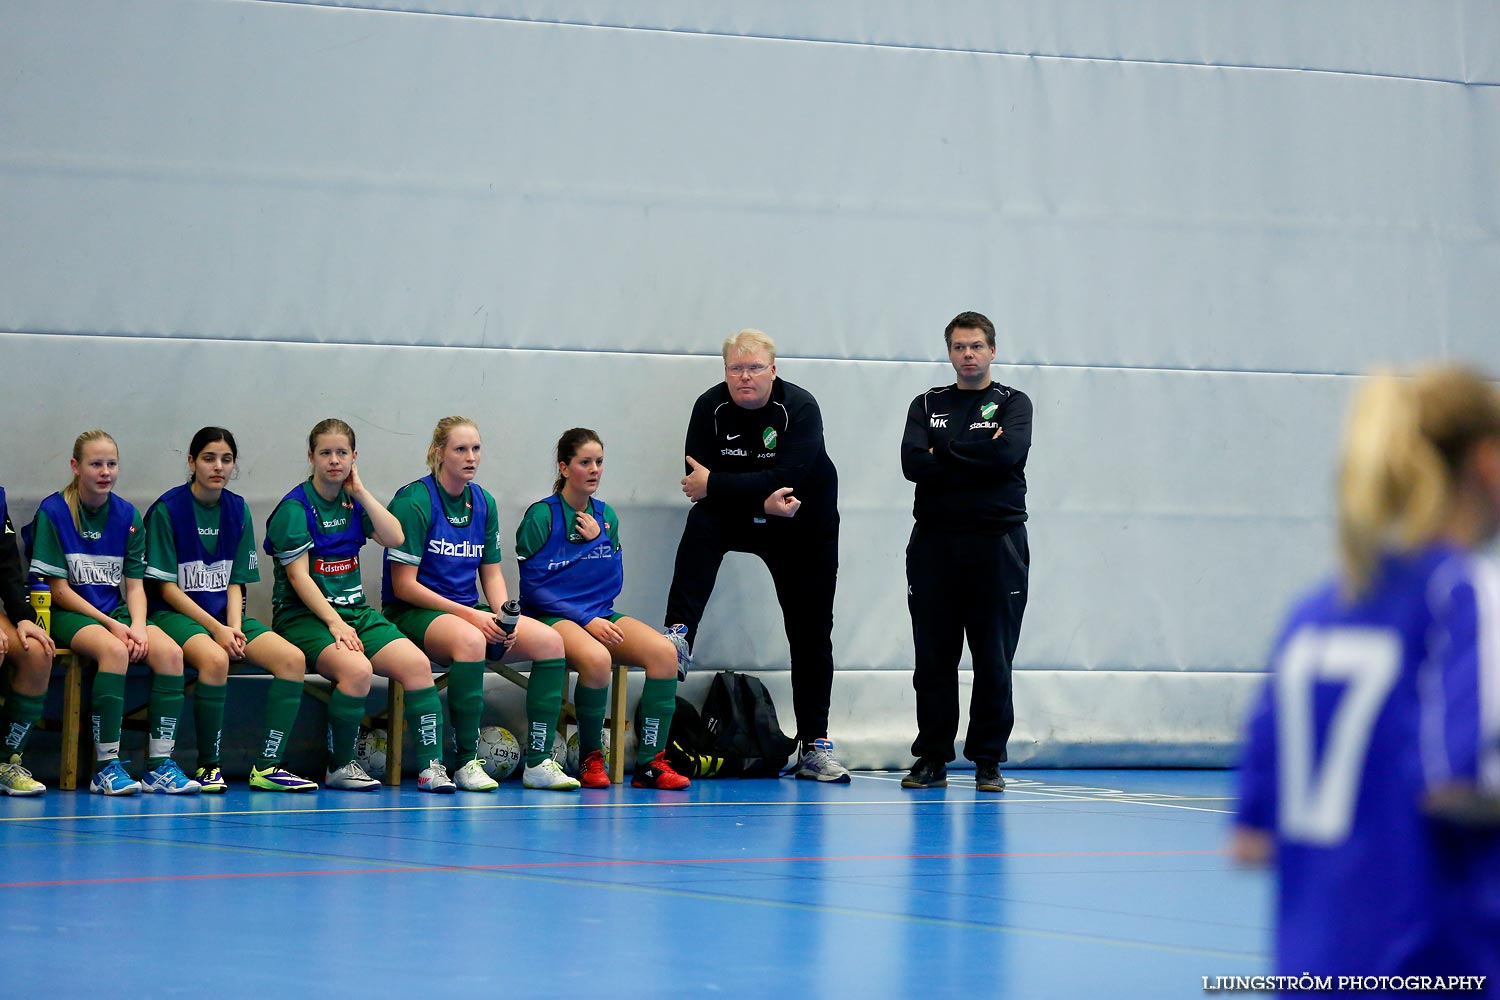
x=1190 y=223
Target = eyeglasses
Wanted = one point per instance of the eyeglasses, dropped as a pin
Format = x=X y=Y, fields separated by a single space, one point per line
x=738 y=370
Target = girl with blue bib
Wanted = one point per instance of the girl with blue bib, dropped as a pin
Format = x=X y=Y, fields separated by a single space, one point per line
x=1381 y=711
x=28 y=649
x=572 y=571
x=452 y=529
x=200 y=556
x=91 y=547
x=315 y=534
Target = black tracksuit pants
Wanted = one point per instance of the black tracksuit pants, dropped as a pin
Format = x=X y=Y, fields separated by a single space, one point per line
x=974 y=585
x=804 y=564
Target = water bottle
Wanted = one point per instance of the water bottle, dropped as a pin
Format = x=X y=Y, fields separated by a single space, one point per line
x=41 y=603
x=510 y=613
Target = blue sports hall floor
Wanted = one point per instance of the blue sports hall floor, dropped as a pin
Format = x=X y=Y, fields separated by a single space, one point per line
x=1069 y=884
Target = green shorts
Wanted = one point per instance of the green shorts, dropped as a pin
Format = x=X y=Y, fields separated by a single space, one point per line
x=67 y=624
x=550 y=620
x=414 y=622
x=310 y=635
x=181 y=628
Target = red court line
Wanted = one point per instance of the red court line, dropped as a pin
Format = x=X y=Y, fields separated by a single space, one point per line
x=532 y=865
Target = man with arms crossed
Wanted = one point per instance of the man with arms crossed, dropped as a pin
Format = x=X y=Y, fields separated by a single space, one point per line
x=965 y=447
x=761 y=482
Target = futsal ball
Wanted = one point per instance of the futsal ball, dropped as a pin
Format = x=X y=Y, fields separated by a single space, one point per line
x=499 y=751
x=369 y=750
x=560 y=751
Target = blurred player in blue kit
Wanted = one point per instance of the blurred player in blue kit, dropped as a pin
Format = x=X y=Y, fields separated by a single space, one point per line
x=1373 y=754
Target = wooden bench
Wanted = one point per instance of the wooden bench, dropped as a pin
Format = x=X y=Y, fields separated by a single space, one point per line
x=76 y=752
x=75 y=755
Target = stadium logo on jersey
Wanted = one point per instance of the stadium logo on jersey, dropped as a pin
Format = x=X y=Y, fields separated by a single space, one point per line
x=735 y=452
x=600 y=552
x=198 y=575
x=988 y=410
x=454 y=550
x=938 y=420
x=335 y=524
x=207 y=532
x=987 y=425
x=768 y=436
x=326 y=568
x=87 y=571
x=90 y=534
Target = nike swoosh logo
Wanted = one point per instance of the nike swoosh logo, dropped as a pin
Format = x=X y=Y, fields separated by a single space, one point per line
x=730 y=437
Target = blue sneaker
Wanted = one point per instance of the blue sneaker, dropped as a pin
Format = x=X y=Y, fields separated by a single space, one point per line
x=113 y=779
x=168 y=778
x=677 y=635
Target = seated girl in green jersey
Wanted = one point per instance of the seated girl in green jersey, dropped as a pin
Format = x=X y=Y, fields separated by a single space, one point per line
x=91 y=547
x=28 y=650
x=452 y=530
x=318 y=604
x=572 y=570
x=200 y=555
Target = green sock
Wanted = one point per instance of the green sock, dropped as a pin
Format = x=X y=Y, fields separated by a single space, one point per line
x=208 y=717
x=465 y=705
x=282 y=703
x=658 y=702
x=164 y=709
x=544 y=693
x=345 y=712
x=108 y=705
x=424 y=718
x=21 y=713
x=590 y=704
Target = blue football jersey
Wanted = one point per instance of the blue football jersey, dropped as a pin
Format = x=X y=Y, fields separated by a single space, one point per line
x=1368 y=704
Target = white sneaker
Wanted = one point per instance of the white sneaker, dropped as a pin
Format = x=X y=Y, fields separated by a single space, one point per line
x=677 y=636
x=434 y=778
x=550 y=776
x=350 y=778
x=472 y=778
x=818 y=763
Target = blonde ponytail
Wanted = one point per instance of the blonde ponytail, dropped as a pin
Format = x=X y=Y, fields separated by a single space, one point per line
x=1405 y=442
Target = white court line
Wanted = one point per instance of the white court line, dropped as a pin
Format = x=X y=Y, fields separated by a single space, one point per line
x=1041 y=793
x=1065 y=793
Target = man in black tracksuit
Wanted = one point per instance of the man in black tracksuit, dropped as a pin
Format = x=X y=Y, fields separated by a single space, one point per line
x=761 y=482
x=965 y=447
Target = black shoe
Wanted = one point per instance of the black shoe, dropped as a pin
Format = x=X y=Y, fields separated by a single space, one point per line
x=928 y=772
x=987 y=776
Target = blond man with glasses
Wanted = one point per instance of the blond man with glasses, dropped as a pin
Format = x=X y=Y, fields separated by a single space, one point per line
x=760 y=481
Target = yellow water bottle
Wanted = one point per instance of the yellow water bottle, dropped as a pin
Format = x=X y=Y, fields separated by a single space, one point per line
x=41 y=603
